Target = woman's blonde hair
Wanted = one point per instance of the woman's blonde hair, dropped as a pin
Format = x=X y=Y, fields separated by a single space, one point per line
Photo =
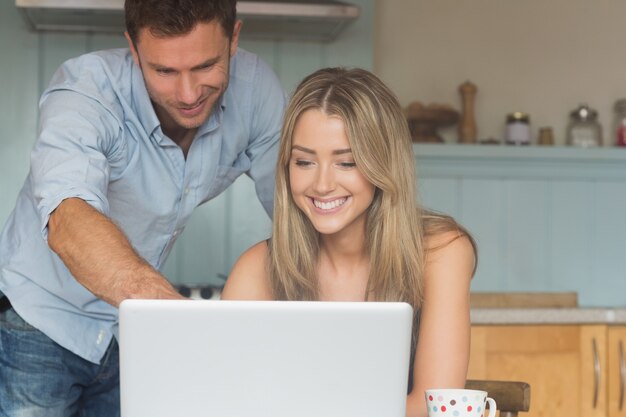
x=381 y=145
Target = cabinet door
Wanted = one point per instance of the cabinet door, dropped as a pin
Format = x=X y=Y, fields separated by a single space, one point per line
x=562 y=364
x=617 y=371
x=593 y=366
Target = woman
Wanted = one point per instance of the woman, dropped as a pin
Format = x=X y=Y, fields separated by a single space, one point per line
x=347 y=226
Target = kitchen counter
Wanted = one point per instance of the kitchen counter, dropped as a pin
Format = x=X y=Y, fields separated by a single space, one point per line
x=487 y=316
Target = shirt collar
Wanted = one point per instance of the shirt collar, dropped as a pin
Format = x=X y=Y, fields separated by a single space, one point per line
x=142 y=103
x=215 y=119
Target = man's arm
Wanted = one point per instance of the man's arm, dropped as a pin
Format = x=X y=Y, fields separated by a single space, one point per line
x=269 y=105
x=100 y=257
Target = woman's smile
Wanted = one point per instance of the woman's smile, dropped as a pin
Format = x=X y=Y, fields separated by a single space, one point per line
x=329 y=206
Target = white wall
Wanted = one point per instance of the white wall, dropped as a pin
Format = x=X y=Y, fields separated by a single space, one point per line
x=543 y=57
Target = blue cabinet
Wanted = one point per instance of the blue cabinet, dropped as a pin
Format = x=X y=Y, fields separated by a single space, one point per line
x=545 y=218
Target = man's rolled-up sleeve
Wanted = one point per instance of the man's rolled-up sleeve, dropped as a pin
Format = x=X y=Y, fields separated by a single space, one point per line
x=268 y=108
x=71 y=155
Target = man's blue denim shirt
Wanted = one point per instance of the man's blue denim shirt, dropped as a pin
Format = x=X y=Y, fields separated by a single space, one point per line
x=100 y=140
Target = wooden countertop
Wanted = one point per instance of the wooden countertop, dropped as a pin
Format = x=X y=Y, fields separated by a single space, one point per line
x=489 y=316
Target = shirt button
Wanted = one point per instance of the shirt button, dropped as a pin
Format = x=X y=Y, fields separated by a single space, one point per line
x=186 y=191
x=100 y=337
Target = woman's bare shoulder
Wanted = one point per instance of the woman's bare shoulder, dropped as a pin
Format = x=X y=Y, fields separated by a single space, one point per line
x=450 y=249
x=442 y=238
x=249 y=278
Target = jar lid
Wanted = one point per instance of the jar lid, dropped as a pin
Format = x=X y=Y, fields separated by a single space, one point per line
x=584 y=112
x=517 y=116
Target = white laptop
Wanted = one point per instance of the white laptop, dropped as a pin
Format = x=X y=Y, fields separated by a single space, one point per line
x=193 y=358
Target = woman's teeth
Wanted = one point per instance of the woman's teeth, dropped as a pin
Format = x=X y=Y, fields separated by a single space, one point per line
x=329 y=205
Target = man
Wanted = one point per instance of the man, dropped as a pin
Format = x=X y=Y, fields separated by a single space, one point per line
x=130 y=142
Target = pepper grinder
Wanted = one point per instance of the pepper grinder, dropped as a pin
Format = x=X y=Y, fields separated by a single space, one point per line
x=467 y=126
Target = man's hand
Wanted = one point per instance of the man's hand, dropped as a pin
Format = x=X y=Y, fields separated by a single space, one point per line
x=100 y=257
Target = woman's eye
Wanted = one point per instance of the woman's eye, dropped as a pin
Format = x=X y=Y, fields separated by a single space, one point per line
x=303 y=163
x=347 y=164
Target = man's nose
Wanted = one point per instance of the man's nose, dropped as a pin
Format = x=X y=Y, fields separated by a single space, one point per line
x=188 y=91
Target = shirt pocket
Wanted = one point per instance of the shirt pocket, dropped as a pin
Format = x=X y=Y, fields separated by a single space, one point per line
x=227 y=174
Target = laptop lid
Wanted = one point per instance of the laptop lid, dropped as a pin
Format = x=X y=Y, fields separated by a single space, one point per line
x=264 y=358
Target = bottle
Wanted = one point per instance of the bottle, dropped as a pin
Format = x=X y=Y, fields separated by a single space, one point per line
x=467 y=125
x=583 y=129
x=620 y=122
x=517 y=128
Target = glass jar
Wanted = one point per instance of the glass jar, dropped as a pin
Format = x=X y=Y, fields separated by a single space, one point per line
x=620 y=122
x=583 y=129
x=517 y=128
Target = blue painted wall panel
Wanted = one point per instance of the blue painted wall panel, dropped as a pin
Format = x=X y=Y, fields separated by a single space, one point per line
x=440 y=194
x=545 y=219
x=526 y=235
x=607 y=283
x=484 y=215
x=19 y=69
x=572 y=241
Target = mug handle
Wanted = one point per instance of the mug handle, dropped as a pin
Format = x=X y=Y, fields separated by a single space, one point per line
x=492 y=407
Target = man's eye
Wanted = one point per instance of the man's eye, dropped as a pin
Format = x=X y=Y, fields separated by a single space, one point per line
x=164 y=71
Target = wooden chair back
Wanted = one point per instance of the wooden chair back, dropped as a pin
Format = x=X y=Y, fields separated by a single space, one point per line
x=511 y=396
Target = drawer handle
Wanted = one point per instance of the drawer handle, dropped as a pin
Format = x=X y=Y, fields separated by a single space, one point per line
x=596 y=373
x=622 y=375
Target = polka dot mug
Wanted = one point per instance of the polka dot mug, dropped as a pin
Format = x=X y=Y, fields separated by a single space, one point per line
x=459 y=403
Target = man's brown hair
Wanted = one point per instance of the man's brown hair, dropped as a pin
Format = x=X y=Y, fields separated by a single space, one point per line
x=177 y=17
